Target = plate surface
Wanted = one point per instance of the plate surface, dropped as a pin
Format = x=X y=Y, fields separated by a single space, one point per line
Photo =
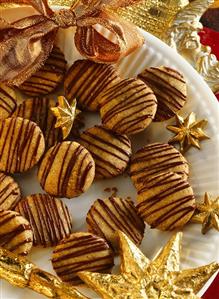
x=197 y=249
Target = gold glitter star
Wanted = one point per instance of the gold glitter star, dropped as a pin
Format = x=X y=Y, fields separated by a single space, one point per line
x=141 y=278
x=207 y=213
x=65 y=114
x=188 y=132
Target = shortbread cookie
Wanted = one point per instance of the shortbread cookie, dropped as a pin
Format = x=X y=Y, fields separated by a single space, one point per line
x=15 y=233
x=166 y=201
x=106 y=217
x=128 y=106
x=67 y=170
x=86 y=80
x=21 y=144
x=48 y=78
x=8 y=101
x=111 y=151
x=39 y=111
x=49 y=218
x=81 y=252
x=10 y=192
x=169 y=87
x=154 y=159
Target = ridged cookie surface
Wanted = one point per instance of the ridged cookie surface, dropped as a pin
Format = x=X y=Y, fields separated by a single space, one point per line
x=66 y=170
x=154 y=159
x=86 y=80
x=81 y=252
x=106 y=217
x=49 y=218
x=166 y=201
x=21 y=144
x=111 y=151
x=169 y=87
x=48 y=77
x=10 y=192
x=127 y=106
x=15 y=233
x=8 y=101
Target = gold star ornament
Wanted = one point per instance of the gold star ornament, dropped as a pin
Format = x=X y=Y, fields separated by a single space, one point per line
x=141 y=278
x=207 y=213
x=188 y=132
x=65 y=114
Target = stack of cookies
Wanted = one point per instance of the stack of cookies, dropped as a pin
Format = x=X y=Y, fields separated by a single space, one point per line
x=66 y=169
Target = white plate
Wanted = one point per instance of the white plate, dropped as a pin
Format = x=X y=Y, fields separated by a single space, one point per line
x=204 y=165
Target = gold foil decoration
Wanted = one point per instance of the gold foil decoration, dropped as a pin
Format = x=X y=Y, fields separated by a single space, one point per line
x=154 y=16
x=141 y=278
x=22 y=273
x=207 y=213
x=65 y=114
x=183 y=36
x=188 y=132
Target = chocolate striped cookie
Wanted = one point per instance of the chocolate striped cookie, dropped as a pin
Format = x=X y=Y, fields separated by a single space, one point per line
x=21 y=144
x=111 y=151
x=81 y=252
x=38 y=110
x=106 y=217
x=49 y=218
x=7 y=101
x=67 y=170
x=86 y=80
x=48 y=78
x=128 y=106
x=10 y=192
x=154 y=159
x=15 y=233
x=169 y=87
x=166 y=201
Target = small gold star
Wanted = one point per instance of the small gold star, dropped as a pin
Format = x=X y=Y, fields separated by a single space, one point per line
x=65 y=114
x=141 y=278
x=207 y=213
x=188 y=132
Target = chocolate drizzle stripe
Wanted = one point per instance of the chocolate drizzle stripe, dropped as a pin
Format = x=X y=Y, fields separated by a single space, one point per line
x=177 y=209
x=130 y=226
x=166 y=71
x=114 y=150
x=120 y=86
x=79 y=253
x=129 y=103
x=188 y=210
x=122 y=101
x=152 y=77
x=16 y=239
x=152 y=209
x=45 y=168
x=49 y=218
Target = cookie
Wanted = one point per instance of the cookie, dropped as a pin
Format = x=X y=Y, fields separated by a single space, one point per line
x=39 y=111
x=81 y=252
x=86 y=80
x=154 y=159
x=8 y=101
x=166 y=201
x=128 y=106
x=10 y=192
x=48 y=78
x=169 y=87
x=111 y=151
x=67 y=170
x=21 y=144
x=106 y=217
x=15 y=233
x=49 y=218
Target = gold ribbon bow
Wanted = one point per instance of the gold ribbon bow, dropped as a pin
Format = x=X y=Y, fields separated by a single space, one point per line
x=26 y=43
